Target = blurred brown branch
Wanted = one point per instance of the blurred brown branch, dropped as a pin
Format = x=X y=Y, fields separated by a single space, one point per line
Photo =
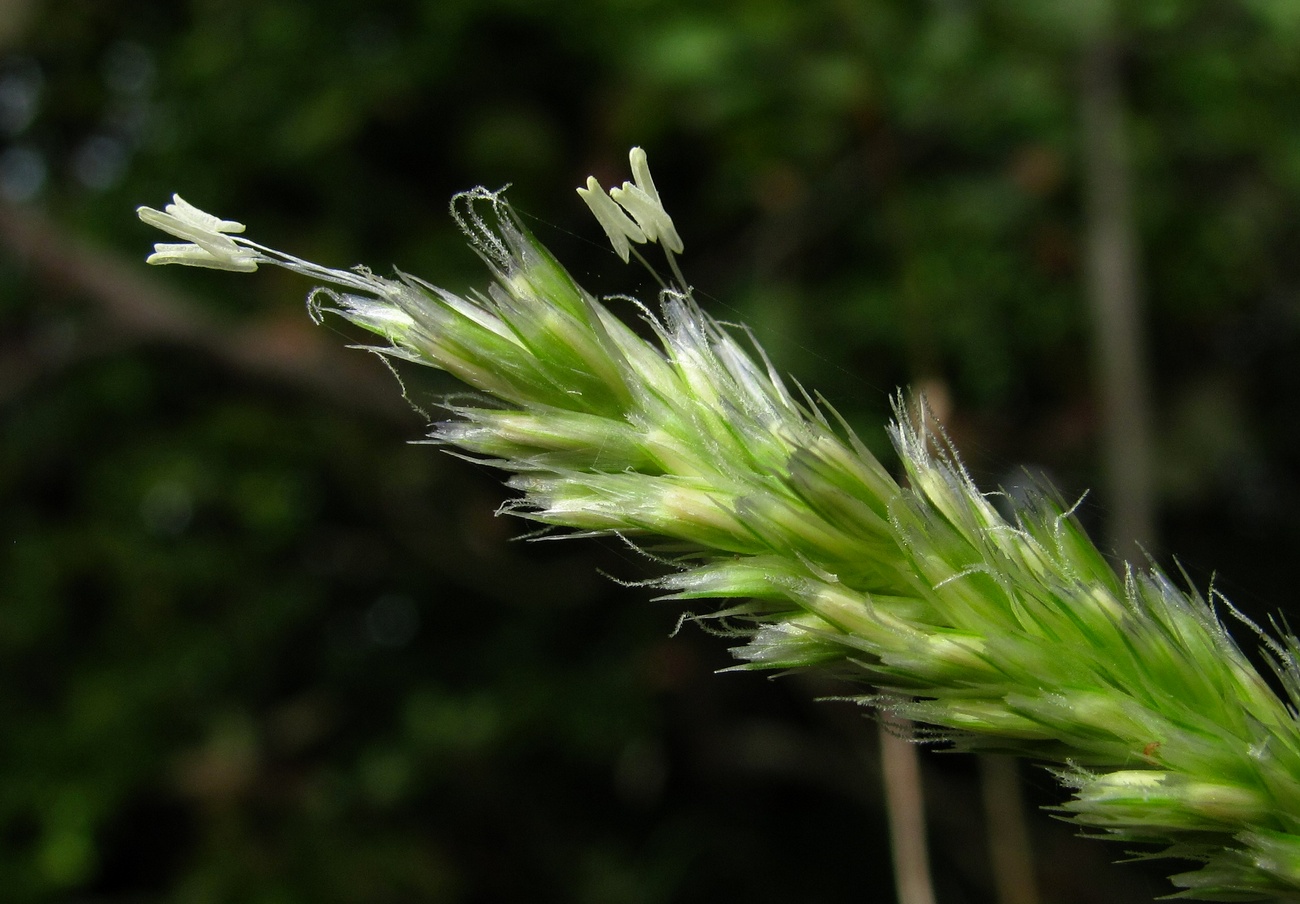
x=1115 y=297
x=133 y=307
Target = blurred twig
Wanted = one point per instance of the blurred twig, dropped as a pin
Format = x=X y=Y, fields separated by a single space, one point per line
x=133 y=307
x=1115 y=298
x=905 y=804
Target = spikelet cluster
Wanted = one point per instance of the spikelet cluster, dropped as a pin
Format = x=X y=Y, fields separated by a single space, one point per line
x=1004 y=632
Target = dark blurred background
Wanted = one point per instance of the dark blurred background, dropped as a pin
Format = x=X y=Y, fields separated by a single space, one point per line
x=258 y=647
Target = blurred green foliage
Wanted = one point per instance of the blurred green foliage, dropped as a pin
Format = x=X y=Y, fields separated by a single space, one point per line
x=256 y=648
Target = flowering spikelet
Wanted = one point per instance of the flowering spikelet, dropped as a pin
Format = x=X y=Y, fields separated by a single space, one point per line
x=1007 y=633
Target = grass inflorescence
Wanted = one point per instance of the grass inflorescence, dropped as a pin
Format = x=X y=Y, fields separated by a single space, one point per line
x=999 y=625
